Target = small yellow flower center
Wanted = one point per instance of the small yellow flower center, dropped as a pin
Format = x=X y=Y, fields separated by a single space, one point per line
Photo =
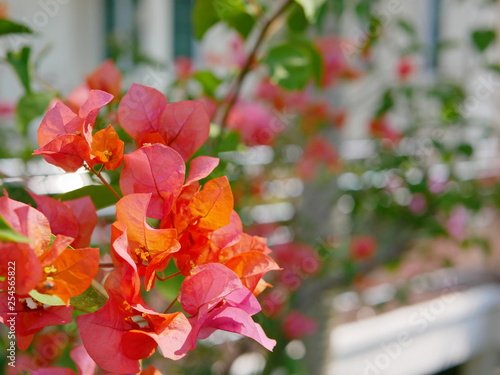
x=50 y=270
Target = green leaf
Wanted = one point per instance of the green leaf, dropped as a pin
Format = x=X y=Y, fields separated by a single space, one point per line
x=494 y=67
x=208 y=81
x=311 y=8
x=364 y=10
x=466 y=149
x=207 y=13
x=482 y=39
x=89 y=299
x=99 y=194
x=153 y=223
x=10 y=27
x=229 y=142
x=46 y=299
x=386 y=104
x=407 y=27
x=338 y=7
x=20 y=63
x=243 y=23
x=297 y=21
x=8 y=234
x=291 y=65
x=31 y=106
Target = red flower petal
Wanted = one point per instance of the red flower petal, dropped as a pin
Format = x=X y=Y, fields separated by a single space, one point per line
x=140 y=111
x=186 y=125
x=155 y=169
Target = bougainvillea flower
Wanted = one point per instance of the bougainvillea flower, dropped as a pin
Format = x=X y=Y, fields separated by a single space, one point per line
x=48 y=347
x=183 y=68
x=405 y=68
x=53 y=371
x=363 y=247
x=273 y=302
x=60 y=120
x=107 y=148
x=149 y=247
x=7 y=110
x=116 y=342
x=196 y=216
x=106 y=77
x=75 y=99
x=4 y=11
x=297 y=325
x=184 y=126
x=68 y=272
x=418 y=204
x=155 y=169
x=65 y=137
x=381 y=128
x=250 y=267
x=335 y=64
x=28 y=268
x=211 y=207
x=318 y=152
x=29 y=320
x=299 y=262
x=216 y=299
x=245 y=244
x=75 y=218
x=68 y=152
x=297 y=256
x=32 y=224
x=84 y=364
x=281 y=99
x=200 y=168
x=456 y=223
x=228 y=235
x=151 y=370
x=45 y=263
x=256 y=123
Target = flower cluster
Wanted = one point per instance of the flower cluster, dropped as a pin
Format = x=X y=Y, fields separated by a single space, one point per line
x=166 y=216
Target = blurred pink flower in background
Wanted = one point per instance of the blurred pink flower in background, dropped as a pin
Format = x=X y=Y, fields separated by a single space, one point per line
x=335 y=64
x=184 y=68
x=363 y=247
x=405 y=68
x=456 y=222
x=381 y=128
x=297 y=325
x=418 y=204
x=256 y=123
x=436 y=185
x=7 y=110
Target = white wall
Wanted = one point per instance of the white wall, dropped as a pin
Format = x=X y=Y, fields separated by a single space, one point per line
x=70 y=31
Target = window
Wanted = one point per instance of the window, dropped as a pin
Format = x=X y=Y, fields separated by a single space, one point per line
x=183 y=35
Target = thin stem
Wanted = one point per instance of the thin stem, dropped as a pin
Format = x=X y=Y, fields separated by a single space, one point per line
x=168 y=277
x=171 y=304
x=106 y=265
x=47 y=86
x=99 y=289
x=104 y=182
x=233 y=94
